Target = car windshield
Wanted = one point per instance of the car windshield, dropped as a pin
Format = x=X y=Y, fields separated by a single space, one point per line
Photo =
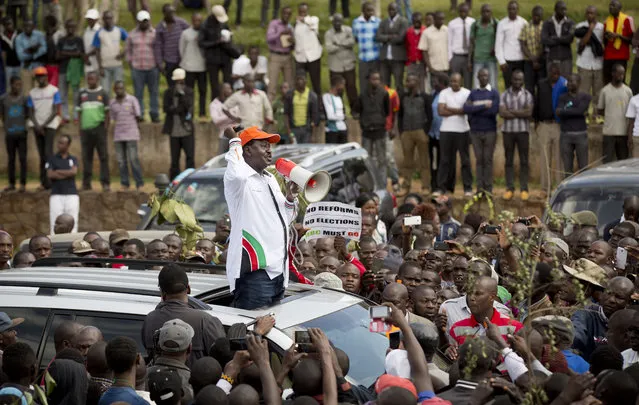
x=205 y=196
x=348 y=330
x=606 y=202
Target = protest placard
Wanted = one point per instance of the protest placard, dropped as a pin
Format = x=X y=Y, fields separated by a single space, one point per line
x=330 y=219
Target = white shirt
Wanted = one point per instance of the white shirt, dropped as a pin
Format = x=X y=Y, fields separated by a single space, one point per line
x=242 y=67
x=507 y=47
x=457 y=309
x=454 y=99
x=435 y=42
x=219 y=118
x=89 y=34
x=257 y=227
x=334 y=108
x=630 y=357
x=307 y=44
x=633 y=112
x=389 y=50
x=456 y=38
x=191 y=56
x=587 y=60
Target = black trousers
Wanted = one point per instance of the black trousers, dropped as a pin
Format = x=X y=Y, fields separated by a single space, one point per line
x=94 y=139
x=634 y=78
x=179 y=144
x=532 y=76
x=314 y=70
x=337 y=137
x=44 y=144
x=519 y=140
x=332 y=7
x=615 y=148
x=17 y=143
x=396 y=70
x=450 y=143
x=200 y=78
x=238 y=10
x=607 y=69
x=168 y=72
x=214 y=77
x=512 y=66
x=434 y=156
x=12 y=11
x=265 y=7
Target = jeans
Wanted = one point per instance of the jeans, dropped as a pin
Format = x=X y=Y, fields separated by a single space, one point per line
x=265 y=7
x=375 y=145
x=151 y=79
x=332 y=8
x=64 y=204
x=519 y=140
x=256 y=290
x=112 y=75
x=395 y=69
x=337 y=137
x=484 y=147
x=459 y=64
x=434 y=156
x=179 y=143
x=532 y=76
x=450 y=143
x=44 y=143
x=408 y=13
x=200 y=78
x=17 y=143
x=571 y=144
x=64 y=95
x=415 y=141
x=492 y=72
x=94 y=139
x=127 y=152
x=303 y=134
x=615 y=148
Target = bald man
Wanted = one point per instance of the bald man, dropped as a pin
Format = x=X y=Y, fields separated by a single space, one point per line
x=64 y=223
x=480 y=302
x=397 y=294
x=85 y=338
x=329 y=264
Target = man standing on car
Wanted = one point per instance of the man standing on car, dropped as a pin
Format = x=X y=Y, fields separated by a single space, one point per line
x=257 y=257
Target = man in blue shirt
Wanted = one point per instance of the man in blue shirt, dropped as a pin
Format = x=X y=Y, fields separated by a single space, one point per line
x=364 y=30
x=30 y=46
x=122 y=357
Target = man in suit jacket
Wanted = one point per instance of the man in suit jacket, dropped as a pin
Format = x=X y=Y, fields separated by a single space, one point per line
x=391 y=35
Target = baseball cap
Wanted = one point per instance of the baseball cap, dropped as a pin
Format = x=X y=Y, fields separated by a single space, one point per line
x=118 y=235
x=80 y=246
x=7 y=323
x=178 y=74
x=175 y=336
x=389 y=381
x=92 y=14
x=219 y=13
x=253 y=133
x=173 y=279
x=143 y=15
x=40 y=71
x=164 y=385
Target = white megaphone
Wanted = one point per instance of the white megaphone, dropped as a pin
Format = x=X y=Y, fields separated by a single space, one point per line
x=315 y=185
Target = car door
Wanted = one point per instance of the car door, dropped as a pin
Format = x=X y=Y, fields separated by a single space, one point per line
x=34 y=327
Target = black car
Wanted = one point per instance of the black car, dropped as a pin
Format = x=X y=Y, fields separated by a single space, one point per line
x=600 y=190
x=348 y=164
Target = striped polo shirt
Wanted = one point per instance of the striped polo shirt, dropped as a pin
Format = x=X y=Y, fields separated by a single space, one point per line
x=469 y=328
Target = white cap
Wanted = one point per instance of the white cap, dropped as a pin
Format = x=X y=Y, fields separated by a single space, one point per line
x=178 y=74
x=143 y=15
x=92 y=13
x=220 y=13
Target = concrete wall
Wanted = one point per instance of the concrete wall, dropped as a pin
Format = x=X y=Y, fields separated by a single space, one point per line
x=155 y=158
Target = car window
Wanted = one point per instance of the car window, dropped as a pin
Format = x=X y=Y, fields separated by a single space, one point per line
x=348 y=330
x=113 y=326
x=49 y=346
x=205 y=196
x=31 y=330
x=358 y=178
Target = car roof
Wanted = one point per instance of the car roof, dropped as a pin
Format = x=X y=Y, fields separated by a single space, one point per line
x=145 y=236
x=137 y=292
x=620 y=173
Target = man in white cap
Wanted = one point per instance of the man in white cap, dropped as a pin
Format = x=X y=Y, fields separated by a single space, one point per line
x=174 y=342
x=178 y=123
x=214 y=39
x=93 y=26
x=144 y=69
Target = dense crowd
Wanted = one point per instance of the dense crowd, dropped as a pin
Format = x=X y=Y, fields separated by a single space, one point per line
x=511 y=312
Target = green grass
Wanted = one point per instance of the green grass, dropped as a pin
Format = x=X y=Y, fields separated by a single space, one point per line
x=251 y=33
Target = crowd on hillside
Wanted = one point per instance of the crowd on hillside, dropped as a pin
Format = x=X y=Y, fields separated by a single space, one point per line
x=482 y=313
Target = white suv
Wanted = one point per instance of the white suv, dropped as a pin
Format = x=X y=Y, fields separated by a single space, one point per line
x=117 y=301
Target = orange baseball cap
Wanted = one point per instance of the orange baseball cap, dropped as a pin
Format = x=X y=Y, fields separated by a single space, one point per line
x=388 y=381
x=252 y=133
x=40 y=71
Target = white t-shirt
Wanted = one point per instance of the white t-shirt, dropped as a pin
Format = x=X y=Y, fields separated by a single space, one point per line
x=633 y=112
x=630 y=357
x=242 y=67
x=454 y=99
x=43 y=101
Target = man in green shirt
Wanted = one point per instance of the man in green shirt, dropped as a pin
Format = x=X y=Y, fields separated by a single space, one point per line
x=93 y=109
x=482 y=46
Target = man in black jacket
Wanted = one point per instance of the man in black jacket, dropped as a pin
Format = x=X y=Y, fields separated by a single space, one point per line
x=215 y=40
x=178 y=123
x=414 y=120
x=556 y=35
x=572 y=108
x=391 y=34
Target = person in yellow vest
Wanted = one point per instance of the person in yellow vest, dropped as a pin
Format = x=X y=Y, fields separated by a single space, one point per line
x=301 y=111
x=617 y=39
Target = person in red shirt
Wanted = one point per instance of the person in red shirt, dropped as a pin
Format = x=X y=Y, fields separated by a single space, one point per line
x=392 y=131
x=480 y=301
x=617 y=39
x=414 y=57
